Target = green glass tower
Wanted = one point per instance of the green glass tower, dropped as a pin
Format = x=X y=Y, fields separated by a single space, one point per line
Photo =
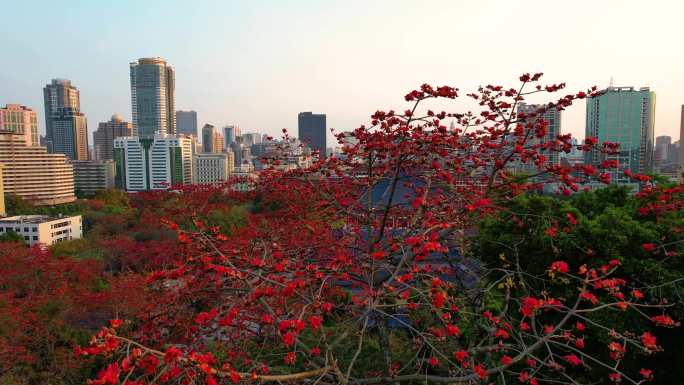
x=626 y=116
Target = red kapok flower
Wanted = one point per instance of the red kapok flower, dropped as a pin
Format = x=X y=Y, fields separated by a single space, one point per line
x=172 y=354
x=559 y=266
x=290 y=358
x=452 y=330
x=115 y=323
x=461 y=355
x=480 y=371
x=572 y=360
x=648 y=246
x=315 y=322
x=289 y=338
x=649 y=340
x=663 y=320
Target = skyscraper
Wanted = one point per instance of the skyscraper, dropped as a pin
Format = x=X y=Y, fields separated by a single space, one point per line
x=663 y=144
x=250 y=138
x=230 y=134
x=553 y=117
x=106 y=133
x=58 y=94
x=212 y=140
x=153 y=97
x=186 y=122
x=681 y=144
x=626 y=116
x=20 y=120
x=313 y=131
x=70 y=133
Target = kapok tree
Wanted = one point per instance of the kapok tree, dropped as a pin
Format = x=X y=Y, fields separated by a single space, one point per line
x=355 y=270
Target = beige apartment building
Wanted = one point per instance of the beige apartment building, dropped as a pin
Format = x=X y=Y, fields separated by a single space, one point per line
x=20 y=120
x=105 y=134
x=33 y=174
x=2 y=195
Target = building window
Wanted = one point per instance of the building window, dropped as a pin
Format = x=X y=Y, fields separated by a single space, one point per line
x=35 y=237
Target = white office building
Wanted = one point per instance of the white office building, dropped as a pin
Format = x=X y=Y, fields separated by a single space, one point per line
x=152 y=163
x=212 y=168
x=43 y=229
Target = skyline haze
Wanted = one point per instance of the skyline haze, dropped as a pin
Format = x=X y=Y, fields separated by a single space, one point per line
x=259 y=65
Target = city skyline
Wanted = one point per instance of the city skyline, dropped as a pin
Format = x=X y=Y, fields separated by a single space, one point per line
x=326 y=71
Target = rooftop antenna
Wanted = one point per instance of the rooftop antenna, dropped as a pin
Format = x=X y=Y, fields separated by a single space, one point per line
x=611 y=82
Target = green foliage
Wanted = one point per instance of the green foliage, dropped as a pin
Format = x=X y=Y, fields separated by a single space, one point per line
x=11 y=236
x=533 y=231
x=113 y=198
x=71 y=248
x=51 y=309
x=15 y=205
x=228 y=219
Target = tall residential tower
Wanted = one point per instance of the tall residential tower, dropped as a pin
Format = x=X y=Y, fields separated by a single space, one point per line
x=312 y=131
x=553 y=117
x=58 y=94
x=153 y=97
x=626 y=116
x=212 y=140
x=106 y=133
x=70 y=133
x=186 y=123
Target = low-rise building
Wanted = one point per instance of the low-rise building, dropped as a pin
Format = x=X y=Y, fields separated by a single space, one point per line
x=212 y=168
x=43 y=229
x=91 y=176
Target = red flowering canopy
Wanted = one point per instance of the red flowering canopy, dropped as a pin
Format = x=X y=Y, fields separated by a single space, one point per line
x=355 y=270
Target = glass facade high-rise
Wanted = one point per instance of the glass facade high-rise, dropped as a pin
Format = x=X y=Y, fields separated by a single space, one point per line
x=212 y=140
x=312 y=130
x=186 y=123
x=230 y=134
x=661 y=156
x=680 y=153
x=251 y=138
x=70 y=133
x=626 y=116
x=153 y=97
x=60 y=93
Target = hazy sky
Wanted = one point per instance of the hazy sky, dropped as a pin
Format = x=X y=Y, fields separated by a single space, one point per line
x=259 y=63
